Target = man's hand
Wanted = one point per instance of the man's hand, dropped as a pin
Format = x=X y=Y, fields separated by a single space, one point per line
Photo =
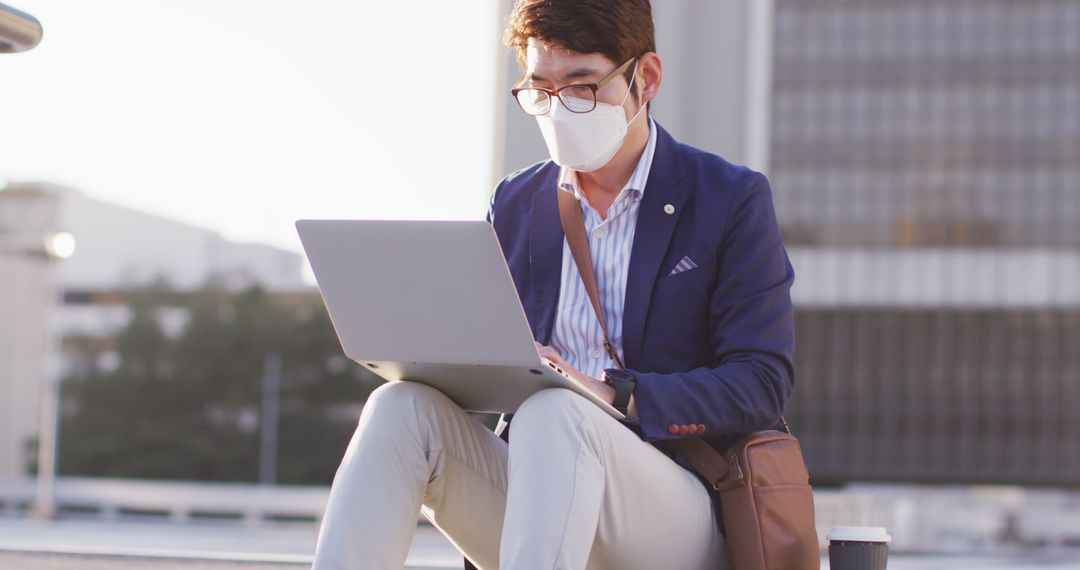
x=603 y=391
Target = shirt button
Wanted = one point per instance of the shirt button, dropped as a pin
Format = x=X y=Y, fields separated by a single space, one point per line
x=601 y=233
x=595 y=353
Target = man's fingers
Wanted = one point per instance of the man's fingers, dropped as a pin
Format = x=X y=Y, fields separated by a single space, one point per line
x=549 y=353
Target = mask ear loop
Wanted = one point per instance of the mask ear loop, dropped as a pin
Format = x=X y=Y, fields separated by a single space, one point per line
x=633 y=76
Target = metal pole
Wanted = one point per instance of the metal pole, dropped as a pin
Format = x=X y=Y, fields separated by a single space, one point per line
x=48 y=415
x=759 y=69
x=268 y=422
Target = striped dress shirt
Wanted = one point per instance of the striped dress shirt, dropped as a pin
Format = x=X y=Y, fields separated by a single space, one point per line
x=577 y=335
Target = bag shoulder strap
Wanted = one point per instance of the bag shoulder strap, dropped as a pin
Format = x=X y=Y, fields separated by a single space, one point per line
x=574 y=227
x=708 y=462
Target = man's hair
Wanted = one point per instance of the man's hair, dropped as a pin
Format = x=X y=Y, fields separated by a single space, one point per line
x=618 y=29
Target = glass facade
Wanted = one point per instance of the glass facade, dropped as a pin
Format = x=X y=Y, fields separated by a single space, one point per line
x=947 y=131
x=927 y=123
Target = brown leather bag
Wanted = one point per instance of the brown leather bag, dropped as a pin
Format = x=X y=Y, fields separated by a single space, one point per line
x=764 y=486
x=766 y=498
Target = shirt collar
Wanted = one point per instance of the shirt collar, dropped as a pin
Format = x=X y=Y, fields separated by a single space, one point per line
x=568 y=179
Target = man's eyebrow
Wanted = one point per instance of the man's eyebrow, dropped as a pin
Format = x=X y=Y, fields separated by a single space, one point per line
x=581 y=72
x=576 y=74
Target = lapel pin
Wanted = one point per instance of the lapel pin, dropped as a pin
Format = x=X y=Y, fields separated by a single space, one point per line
x=669 y=209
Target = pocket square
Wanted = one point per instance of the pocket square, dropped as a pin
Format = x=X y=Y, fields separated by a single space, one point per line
x=685 y=264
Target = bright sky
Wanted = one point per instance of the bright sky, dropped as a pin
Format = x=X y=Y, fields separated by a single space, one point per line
x=242 y=116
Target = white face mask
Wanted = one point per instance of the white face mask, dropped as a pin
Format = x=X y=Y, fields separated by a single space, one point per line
x=585 y=141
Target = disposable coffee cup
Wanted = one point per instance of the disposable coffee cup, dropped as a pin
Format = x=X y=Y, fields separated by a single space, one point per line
x=858 y=548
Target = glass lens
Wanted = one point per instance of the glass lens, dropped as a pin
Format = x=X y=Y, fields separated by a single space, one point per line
x=578 y=98
x=533 y=101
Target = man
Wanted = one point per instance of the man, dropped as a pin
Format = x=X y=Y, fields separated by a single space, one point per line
x=694 y=285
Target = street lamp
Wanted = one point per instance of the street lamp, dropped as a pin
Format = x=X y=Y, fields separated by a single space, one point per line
x=60 y=245
x=19 y=31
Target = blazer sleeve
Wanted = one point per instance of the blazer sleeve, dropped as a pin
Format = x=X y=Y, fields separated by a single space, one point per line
x=752 y=331
x=490 y=216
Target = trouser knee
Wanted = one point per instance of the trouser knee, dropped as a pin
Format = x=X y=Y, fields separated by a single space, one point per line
x=394 y=394
x=395 y=405
x=547 y=410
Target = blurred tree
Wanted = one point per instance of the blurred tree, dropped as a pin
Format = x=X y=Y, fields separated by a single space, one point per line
x=186 y=405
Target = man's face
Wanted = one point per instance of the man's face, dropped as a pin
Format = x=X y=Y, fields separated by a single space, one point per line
x=552 y=66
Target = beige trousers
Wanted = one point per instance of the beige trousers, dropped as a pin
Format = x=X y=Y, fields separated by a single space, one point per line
x=574 y=490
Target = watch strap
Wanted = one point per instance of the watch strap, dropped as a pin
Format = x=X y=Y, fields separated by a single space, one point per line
x=624 y=390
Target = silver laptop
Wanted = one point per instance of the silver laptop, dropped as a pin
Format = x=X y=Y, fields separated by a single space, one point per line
x=431 y=302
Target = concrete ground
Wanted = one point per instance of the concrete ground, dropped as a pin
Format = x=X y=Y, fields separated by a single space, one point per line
x=45 y=561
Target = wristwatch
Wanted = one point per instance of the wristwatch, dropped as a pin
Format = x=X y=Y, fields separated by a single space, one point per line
x=624 y=383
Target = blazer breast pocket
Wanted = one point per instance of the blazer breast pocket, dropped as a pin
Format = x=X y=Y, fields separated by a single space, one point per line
x=699 y=277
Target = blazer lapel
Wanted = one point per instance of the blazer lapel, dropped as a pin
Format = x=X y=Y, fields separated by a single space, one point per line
x=651 y=238
x=545 y=261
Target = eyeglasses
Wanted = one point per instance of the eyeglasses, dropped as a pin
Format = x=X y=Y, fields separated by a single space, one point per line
x=576 y=97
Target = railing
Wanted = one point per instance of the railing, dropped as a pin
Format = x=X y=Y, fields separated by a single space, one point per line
x=178 y=501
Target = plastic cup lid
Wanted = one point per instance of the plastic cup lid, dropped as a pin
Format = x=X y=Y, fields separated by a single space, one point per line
x=859 y=534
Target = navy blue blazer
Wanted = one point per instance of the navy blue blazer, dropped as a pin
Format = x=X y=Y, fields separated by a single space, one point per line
x=711 y=345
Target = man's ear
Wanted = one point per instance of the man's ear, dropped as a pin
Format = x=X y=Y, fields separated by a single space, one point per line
x=650 y=75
